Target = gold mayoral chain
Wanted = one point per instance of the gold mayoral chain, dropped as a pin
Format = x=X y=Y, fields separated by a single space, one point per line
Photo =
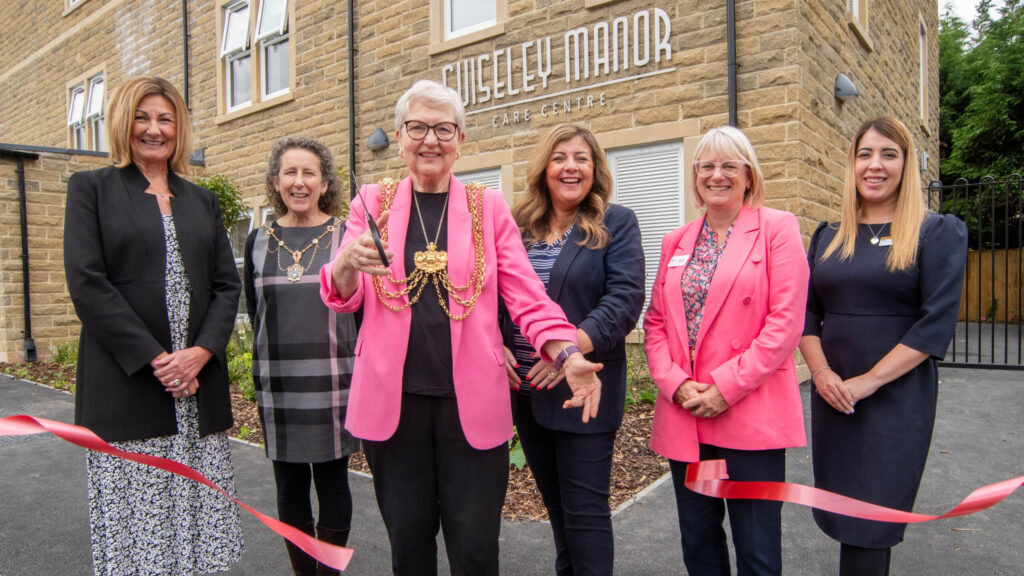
x=296 y=269
x=432 y=265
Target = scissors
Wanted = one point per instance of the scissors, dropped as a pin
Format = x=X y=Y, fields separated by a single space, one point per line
x=369 y=221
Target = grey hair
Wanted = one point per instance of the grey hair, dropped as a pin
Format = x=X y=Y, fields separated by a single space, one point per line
x=330 y=200
x=434 y=95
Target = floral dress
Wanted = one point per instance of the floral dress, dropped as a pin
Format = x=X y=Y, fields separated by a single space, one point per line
x=148 y=521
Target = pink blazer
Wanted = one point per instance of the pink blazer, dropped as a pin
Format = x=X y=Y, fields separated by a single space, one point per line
x=753 y=318
x=481 y=387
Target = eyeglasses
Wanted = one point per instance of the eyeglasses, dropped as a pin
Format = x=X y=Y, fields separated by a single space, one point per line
x=444 y=131
x=730 y=168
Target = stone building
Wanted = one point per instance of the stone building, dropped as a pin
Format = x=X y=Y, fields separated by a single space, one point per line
x=647 y=76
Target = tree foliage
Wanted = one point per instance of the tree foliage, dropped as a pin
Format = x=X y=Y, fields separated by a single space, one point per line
x=981 y=79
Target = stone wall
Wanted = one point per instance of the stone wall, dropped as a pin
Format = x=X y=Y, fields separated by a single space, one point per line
x=53 y=317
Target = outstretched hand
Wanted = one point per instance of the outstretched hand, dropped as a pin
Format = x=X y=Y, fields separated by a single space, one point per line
x=581 y=374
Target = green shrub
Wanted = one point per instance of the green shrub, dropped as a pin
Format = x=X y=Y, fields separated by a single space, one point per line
x=239 y=352
x=516 y=457
x=232 y=208
x=66 y=353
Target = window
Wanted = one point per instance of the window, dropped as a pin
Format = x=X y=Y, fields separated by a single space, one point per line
x=858 y=11
x=923 y=78
x=76 y=115
x=94 y=114
x=85 y=114
x=455 y=23
x=491 y=177
x=256 y=53
x=649 y=180
x=465 y=16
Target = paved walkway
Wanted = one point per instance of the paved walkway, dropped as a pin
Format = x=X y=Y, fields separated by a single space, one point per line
x=979 y=439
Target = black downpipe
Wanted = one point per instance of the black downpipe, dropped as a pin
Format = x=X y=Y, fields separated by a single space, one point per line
x=184 y=49
x=730 y=23
x=30 y=344
x=351 y=97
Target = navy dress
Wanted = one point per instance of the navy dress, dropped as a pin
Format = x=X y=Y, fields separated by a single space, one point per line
x=861 y=311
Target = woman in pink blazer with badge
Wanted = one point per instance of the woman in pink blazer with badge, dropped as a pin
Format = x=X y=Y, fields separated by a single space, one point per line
x=726 y=314
x=430 y=396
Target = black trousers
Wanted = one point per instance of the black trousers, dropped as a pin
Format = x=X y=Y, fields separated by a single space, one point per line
x=857 y=561
x=427 y=476
x=332 y=492
x=756 y=524
x=573 y=472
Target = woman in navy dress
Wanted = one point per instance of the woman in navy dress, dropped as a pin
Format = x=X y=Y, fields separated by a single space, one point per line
x=881 y=309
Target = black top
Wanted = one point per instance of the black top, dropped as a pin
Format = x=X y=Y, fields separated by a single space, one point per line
x=861 y=311
x=428 y=363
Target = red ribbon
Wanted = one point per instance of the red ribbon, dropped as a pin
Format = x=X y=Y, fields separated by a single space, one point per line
x=22 y=425
x=709 y=478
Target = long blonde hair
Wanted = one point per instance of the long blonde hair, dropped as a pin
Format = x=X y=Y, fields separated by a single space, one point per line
x=534 y=214
x=910 y=206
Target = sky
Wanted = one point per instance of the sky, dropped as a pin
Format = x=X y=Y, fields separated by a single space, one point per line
x=964 y=8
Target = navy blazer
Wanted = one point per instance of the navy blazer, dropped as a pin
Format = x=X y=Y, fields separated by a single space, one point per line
x=114 y=259
x=602 y=293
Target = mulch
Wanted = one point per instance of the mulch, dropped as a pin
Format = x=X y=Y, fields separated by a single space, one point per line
x=634 y=466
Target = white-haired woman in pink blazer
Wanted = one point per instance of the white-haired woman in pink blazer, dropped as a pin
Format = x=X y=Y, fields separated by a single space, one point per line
x=430 y=395
x=726 y=313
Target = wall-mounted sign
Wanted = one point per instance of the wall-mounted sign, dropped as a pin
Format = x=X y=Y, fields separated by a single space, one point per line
x=524 y=76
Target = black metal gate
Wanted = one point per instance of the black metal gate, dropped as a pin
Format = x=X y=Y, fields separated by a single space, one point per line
x=990 y=328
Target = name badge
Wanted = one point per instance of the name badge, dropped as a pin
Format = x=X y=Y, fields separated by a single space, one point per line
x=681 y=260
x=886 y=241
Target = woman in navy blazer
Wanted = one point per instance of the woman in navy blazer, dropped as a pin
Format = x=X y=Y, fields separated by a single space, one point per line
x=588 y=253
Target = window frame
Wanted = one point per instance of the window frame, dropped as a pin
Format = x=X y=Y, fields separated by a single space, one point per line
x=441 y=42
x=857 y=12
x=257 y=45
x=95 y=118
x=85 y=127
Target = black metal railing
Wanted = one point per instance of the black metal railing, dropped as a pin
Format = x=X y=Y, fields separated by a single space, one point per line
x=989 y=328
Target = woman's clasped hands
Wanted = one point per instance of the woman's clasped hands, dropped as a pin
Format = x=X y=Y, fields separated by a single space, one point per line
x=179 y=371
x=700 y=399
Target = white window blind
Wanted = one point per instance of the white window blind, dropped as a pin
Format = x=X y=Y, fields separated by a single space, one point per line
x=649 y=180
x=490 y=177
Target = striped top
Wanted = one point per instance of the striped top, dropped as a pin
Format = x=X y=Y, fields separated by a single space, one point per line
x=542 y=258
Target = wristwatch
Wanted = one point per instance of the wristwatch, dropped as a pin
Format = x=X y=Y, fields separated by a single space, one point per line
x=564 y=355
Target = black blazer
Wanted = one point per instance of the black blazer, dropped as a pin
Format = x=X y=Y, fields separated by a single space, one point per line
x=601 y=292
x=114 y=258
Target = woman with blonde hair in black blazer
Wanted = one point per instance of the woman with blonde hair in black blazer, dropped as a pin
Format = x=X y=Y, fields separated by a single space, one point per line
x=154 y=283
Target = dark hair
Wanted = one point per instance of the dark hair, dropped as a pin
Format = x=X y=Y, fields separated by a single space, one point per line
x=330 y=200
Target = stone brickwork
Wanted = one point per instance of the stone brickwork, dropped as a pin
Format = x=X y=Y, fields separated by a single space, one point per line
x=53 y=317
x=789 y=53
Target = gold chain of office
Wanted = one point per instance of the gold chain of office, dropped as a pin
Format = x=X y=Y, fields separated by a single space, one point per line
x=436 y=270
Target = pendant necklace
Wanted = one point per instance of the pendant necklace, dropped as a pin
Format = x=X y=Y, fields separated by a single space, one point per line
x=432 y=264
x=296 y=269
x=433 y=260
x=874 y=235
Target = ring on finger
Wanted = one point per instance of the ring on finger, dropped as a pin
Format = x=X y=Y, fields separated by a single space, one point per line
x=552 y=374
x=177 y=382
